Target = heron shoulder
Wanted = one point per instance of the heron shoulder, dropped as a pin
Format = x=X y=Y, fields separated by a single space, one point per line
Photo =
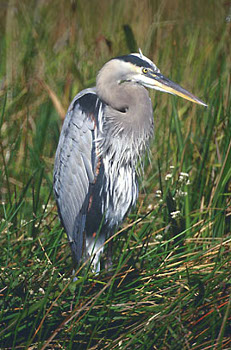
x=86 y=92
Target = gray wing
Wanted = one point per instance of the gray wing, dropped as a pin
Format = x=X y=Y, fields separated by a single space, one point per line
x=74 y=167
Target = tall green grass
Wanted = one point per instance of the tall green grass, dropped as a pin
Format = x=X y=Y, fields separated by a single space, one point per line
x=170 y=283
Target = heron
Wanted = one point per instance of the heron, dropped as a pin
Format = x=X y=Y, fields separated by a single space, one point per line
x=106 y=131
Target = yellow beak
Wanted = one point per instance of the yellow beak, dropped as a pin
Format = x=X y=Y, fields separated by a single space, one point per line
x=160 y=82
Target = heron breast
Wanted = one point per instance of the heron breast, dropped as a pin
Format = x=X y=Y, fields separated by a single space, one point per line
x=120 y=188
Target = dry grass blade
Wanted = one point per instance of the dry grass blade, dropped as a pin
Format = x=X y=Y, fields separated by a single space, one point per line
x=54 y=98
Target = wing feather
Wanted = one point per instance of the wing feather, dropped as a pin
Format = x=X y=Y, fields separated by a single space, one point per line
x=74 y=166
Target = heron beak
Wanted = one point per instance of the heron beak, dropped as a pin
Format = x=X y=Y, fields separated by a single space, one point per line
x=160 y=82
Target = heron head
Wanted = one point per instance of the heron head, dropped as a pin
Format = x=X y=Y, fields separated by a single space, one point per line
x=140 y=69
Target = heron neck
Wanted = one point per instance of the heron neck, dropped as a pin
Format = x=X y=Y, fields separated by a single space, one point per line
x=128 y=104
x=128 y=117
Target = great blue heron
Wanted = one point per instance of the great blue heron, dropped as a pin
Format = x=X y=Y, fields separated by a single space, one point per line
x=106 y=130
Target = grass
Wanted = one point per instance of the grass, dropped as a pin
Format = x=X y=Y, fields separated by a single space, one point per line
x=170 y=283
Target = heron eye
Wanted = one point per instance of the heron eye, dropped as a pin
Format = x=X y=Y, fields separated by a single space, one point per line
x=145 y=70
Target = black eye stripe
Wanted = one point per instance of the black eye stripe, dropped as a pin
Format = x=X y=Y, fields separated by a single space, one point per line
x=134 y=60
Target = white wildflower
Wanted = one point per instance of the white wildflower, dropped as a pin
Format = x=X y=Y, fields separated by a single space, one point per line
x=180 y=193
x=183 y=177
x=158 y=193
x=168 y=177
x=175 y=214
x=41 y=290
x=159 y=237
x=184 y=174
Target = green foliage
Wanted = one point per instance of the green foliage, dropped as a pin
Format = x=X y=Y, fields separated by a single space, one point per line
x=170 y=283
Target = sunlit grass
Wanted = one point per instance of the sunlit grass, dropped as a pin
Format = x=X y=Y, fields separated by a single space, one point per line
x=170 y=283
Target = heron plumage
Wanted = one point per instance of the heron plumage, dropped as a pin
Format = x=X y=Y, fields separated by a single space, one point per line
x=95 y=181
x=105 y=133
